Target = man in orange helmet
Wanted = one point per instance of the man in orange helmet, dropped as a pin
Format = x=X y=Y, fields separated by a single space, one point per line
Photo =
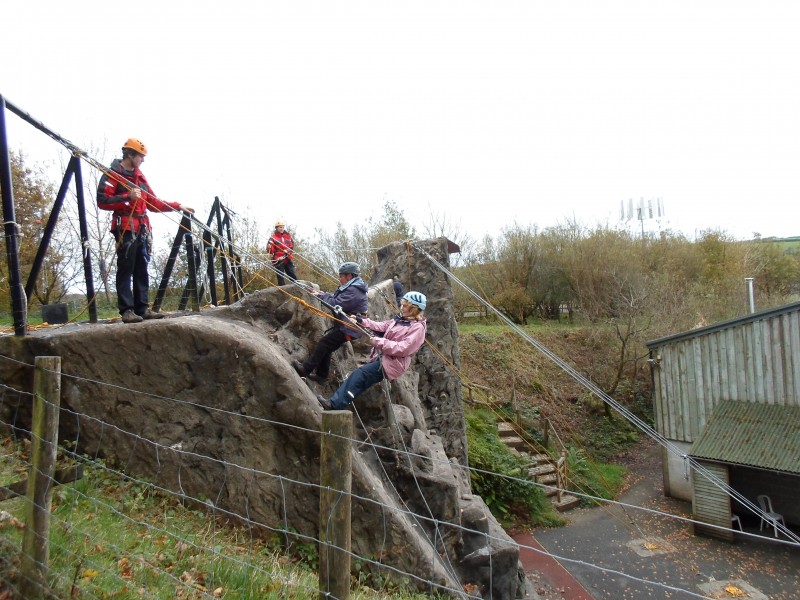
x=125 y=191
x=281 y=247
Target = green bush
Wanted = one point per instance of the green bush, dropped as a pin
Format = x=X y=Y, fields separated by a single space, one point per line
x=498 y=476
x=584 y=475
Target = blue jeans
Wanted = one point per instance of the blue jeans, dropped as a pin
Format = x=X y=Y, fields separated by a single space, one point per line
x=359 y=381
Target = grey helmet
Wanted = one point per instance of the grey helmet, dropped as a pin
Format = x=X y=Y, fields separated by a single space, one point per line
x=349 y=268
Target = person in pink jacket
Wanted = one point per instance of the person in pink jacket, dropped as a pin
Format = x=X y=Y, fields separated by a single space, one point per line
x=391 y=354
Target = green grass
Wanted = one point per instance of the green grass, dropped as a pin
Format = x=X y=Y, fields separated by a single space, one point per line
x=114 y=539
x=80 y=313
x=594 y=478
x=493 y=328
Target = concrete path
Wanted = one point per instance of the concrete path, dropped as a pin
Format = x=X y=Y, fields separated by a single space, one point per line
x=621 y=553
x=551 y=579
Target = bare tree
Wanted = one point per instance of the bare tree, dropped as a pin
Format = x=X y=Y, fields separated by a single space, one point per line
x=98 y=222
x=361 y=242
x=439 y=225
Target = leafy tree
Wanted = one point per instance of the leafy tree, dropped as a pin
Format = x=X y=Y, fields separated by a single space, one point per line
x=33 y=199
x=551 y=289
x=776 y=270
x=393 y=226
x=518 y=258
x=610 y=278
x=724 y=267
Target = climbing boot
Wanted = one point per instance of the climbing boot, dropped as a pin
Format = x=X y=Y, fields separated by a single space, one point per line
x=149 y=314
x=324 y=402
x=131 y=317
x=298 y=366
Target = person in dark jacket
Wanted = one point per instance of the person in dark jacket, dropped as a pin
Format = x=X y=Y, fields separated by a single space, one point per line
x=351 y=296
x=398 y=289
x=125 y=191
x=281 y=247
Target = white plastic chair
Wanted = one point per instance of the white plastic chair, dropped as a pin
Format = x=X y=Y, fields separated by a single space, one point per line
x=770 y=517
x=736 y=522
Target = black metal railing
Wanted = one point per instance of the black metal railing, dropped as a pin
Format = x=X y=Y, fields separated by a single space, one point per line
x=216 y=238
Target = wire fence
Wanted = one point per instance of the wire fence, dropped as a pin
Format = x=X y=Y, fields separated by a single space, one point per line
x=190 y=545
x=215 y=512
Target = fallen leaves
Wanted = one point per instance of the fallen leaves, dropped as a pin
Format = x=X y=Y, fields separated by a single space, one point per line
x=195 y=579
x=734 y=591
x=9 y=520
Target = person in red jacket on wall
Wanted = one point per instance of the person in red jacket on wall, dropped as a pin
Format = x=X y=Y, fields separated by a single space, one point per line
x=281 y=247
x=125 y=191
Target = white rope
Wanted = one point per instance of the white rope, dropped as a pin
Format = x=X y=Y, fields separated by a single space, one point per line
x=636 y=421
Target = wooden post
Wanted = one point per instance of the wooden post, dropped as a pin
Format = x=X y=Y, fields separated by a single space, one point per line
x=545 y=427
x=561 y=475
x=44 y=444
x=335 y=479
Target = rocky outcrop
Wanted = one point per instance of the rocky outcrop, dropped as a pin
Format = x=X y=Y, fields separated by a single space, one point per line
x=207 y=405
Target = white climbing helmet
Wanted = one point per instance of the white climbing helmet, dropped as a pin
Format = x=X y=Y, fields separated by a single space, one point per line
x=418 y=299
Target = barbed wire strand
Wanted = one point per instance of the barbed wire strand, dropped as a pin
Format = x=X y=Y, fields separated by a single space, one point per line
x=310 y=538
x=406 y=452
x=442 y=462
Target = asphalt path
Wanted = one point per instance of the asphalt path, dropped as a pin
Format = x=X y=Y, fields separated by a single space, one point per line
x=611 y=552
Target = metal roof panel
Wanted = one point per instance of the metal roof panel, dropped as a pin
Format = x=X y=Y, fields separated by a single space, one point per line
x=753 y=434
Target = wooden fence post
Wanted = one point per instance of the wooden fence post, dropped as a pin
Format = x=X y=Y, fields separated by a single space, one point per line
x=44 y=445
x=544 y=425
x=561 y=475
x=335 y=480
x=515 y=403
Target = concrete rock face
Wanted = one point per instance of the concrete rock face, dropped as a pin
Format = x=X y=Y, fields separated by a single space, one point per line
x=419 y=267
x=207 y=405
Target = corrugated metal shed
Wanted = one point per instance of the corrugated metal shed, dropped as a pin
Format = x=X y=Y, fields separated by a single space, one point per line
x=752 y=434
x=755 y=358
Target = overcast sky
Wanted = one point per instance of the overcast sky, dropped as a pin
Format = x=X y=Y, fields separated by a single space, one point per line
x=485 y=113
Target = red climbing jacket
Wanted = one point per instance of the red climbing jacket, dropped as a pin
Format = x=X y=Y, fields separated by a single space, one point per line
x=281 y=247
x=113 y=193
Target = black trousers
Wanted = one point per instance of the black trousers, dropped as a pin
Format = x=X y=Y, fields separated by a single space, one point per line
x=133 y=282
x=320 y=359
x=285 y=268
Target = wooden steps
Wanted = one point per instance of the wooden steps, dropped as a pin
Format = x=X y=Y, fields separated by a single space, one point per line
x=541 y=469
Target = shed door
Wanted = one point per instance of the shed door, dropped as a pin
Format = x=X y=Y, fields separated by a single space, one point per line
x=711 y=504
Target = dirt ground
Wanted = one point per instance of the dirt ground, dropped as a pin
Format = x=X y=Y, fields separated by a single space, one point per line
x=613 y=552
